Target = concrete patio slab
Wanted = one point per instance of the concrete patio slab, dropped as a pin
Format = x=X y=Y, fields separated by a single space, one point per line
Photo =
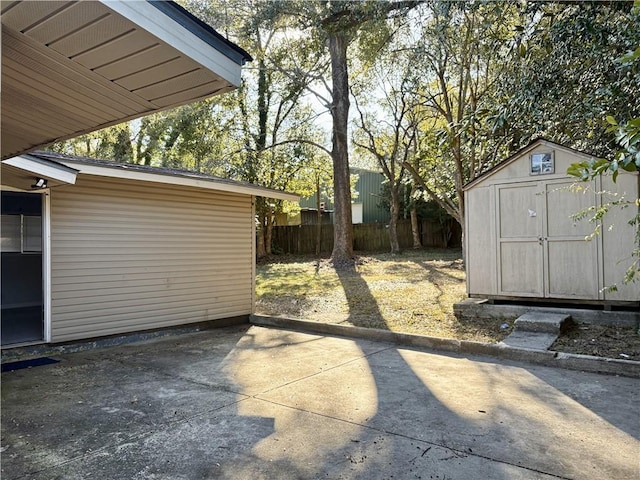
x=255 y=402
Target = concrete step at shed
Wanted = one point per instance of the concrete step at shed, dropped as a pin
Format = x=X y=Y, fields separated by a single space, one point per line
x=538 y=322
x=530 y=340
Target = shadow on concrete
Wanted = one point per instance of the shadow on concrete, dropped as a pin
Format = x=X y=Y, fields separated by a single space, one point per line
x=476 y=428
x=252 y=402
x=393 y=406
x=592 y=393
x=144 y=410
x=593 y=401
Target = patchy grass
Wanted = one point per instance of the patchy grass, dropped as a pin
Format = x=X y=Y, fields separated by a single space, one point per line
x=412 y=293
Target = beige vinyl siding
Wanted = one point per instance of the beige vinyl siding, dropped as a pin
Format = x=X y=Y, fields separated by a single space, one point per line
x=128 y=256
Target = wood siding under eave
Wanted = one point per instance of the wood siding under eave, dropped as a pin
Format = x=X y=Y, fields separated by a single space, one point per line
x=129 y=256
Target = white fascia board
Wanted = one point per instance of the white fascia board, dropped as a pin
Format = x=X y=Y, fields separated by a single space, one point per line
x=50 y=170
x=212 y=184
x=161 y=26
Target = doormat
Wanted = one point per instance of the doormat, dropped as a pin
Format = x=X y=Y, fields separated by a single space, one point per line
x=33 y=362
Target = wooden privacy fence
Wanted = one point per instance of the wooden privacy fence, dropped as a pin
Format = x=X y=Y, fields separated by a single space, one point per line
x=368 y=237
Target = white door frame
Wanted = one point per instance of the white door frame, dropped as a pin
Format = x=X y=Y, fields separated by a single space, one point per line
x=46 y=264
x=46 y=258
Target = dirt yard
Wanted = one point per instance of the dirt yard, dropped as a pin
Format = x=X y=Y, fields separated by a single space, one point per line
x=601 y=341
x=413 y=293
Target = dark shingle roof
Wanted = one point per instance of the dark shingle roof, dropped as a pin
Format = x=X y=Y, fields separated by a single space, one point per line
x=202 y=30
x=130 y=167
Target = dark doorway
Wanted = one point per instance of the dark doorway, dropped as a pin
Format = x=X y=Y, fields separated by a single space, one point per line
x=21 y=282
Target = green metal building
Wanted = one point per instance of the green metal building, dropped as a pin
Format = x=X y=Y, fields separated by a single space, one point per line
x=367 y=207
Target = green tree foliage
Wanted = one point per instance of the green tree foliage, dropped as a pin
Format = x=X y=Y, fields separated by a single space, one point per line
x=390 y=141
x=491 y=76
x=337 y=25
x=274 y=128
x=113 y=142
x=626 y=156
x=458 y=53
x=565 y=79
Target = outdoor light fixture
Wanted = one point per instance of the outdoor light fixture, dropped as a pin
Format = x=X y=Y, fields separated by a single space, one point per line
x=40 y=183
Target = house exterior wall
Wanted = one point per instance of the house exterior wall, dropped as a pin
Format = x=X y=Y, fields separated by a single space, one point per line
x=521 y=240
x=128 y=256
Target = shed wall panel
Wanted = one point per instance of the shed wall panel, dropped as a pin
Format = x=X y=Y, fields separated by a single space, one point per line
x=480 y=242
x=518 y=211
x=573 y=270
x=521 y=269
x=618 y=237
x=128 y=256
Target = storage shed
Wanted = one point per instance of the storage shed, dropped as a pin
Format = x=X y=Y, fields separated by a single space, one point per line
x=523 y=243
x=105 y=248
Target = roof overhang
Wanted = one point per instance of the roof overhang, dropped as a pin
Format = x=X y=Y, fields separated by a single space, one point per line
x=69 y=68
x=21 y=172
x=24 y=171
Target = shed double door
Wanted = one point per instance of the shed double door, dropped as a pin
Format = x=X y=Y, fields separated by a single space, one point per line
x=542 y=251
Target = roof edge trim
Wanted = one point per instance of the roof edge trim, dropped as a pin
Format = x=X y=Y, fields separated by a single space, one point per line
x=202 y=30
x=209 y=184
x=166 y=28
x=44 y=168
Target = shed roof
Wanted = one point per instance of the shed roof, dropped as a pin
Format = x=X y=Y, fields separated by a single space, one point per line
x=22 y=171
x=523 y=151
x=69 y=67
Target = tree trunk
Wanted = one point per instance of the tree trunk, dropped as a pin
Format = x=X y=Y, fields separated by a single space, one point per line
x=446 y=232
x=415 y=228
x=270 y=220
x=415 y=225
x=394 y=210
x=261 y=251
x=318 y=218
x=342 y=254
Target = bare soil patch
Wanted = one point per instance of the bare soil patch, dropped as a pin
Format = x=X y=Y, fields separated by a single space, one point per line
x=600 y=341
